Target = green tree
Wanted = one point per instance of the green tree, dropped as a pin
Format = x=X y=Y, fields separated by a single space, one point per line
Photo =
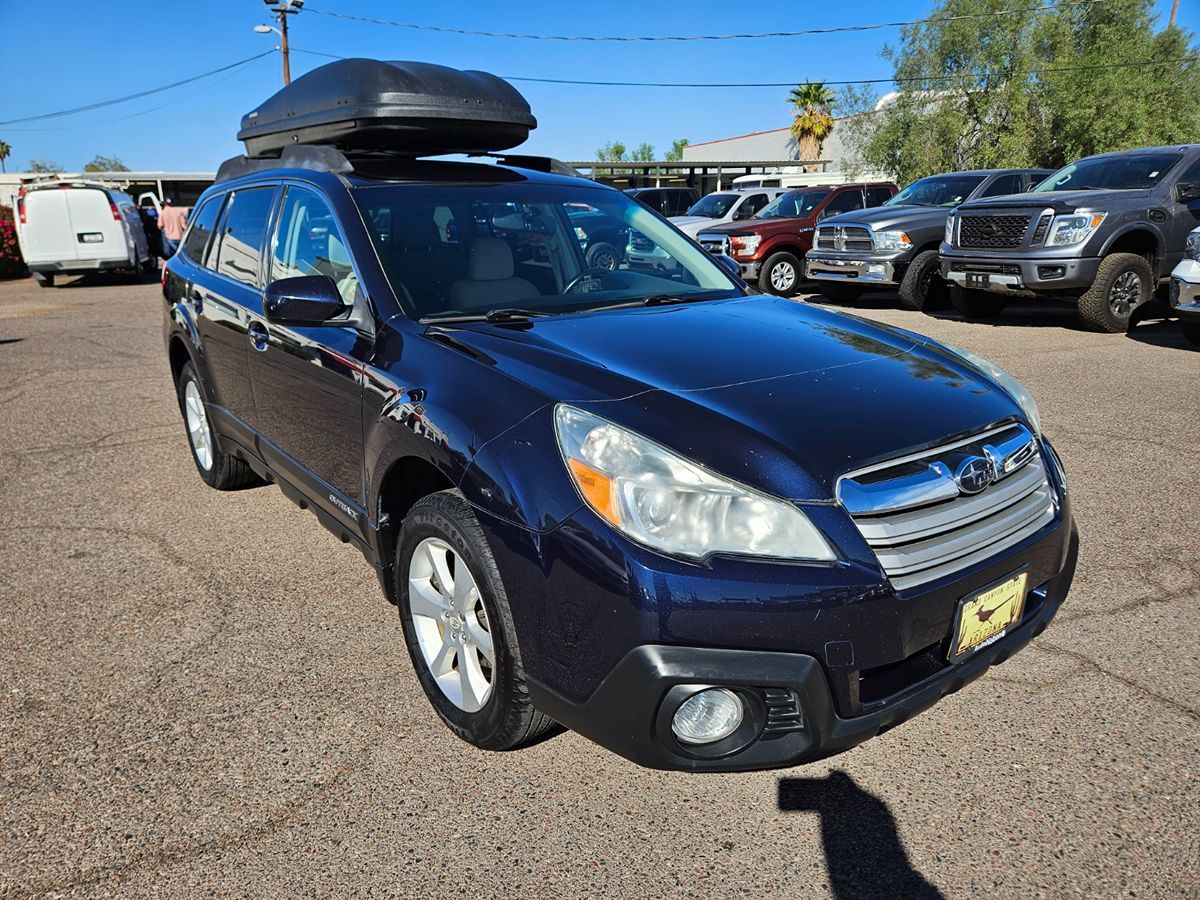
x=812 y=119
x=5 y=153
x=1029 y=88
x=643 y=153
x=105 y=164
x=44 y=166
x=675 y=154
x=613 y=151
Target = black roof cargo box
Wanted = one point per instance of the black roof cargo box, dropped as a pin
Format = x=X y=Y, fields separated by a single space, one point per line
x=407 y=107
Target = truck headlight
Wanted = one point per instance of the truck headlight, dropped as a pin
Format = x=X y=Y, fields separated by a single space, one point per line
x=892 y=240
x=669 y=504
x=1191 y=248
x=745 y=244
x=1074 y=228
x=1007 y=383
x=948 y=237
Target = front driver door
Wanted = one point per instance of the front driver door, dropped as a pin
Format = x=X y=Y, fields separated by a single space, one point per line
x=307 y=380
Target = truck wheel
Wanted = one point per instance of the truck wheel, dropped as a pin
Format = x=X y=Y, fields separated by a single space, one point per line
x=603 y=256
x=1123 y=282
x=975 y=304
x=780 y=274
x=839 y=292
x=219 y=470
x=458 y=626
x=44 y=279
x=922 y=287
x=1191 y=331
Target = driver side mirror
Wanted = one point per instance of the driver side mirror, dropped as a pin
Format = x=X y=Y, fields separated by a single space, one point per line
x=306 y=300
x=1186 y=193
x=729 y=264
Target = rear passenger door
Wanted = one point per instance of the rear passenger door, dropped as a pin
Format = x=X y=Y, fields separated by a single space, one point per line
x=308 y=379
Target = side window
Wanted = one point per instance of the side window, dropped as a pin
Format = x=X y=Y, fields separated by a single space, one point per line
x=751 y=205
x=1192 y=175
x=1003 y=185
x=201 y=230
x=308 y=242
x=877 y=196
x=242 y=233
x=846 y=201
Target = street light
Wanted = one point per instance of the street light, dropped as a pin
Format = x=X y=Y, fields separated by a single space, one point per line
x=284 y=9
x=267 y=29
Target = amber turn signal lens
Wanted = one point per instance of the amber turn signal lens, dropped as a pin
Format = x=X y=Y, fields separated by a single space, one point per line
x=596 y=488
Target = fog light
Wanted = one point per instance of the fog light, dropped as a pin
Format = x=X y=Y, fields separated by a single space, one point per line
x=708 y=716
x=875 y=270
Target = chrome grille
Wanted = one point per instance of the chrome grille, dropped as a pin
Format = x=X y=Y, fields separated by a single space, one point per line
x=639 y=241
x=992 y=232
x=923 y=526
x=1039 y=233
x=844 y=237
x=715 y=243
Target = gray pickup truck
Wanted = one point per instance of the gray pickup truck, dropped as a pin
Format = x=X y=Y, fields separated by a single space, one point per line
x=896 y=245
x=1102 y=233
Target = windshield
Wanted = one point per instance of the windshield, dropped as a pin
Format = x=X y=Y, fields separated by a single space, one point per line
x=471 y=249
x=1112 y=173
x=793 y=205
x=939 y=190
x=714 y=206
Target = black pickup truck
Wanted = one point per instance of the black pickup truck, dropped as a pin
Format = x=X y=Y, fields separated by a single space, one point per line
x=1102 y=232
x=896 y=245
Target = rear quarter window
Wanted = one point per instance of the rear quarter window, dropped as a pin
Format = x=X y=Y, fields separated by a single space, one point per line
x=242 y=233
x=201 y=230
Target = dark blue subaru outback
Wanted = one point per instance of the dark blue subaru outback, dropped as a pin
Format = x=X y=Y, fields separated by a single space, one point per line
x=709 y=529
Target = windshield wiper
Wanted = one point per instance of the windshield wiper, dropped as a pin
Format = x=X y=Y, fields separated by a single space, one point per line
x=504 y=314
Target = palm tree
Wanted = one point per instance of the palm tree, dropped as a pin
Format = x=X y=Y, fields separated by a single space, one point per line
x=5 y=153
x=813 y=119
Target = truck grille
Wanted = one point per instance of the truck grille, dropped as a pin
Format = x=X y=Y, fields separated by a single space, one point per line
x=923 y=526
x=992 y=232
x=640 y=242
x=844 y=237
x=715 y=243
x=1039 y=233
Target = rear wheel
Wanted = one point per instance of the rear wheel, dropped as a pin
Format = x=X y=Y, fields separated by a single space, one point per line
x=975 y=304
x=780 y=274
x=603 y=255
x=839 y=292
x=459 y=628
x=1123 y=282
x=219 y=469
x=922 y=287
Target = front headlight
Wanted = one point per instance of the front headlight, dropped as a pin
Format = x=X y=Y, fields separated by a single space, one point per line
x=662 y=500
x=745 y=244
x=1010 y=385
x=1191 y=248
x=892 y=240
x=1074 y=228
x=948 y=237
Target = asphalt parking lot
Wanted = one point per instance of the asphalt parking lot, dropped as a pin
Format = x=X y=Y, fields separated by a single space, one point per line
x=205 y=693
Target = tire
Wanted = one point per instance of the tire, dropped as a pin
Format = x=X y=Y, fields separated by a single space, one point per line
x=773 y=279
x=975 y=304
x=603 y=256
x=1191 y=330
x=219 y=469
x=485 y=702
x=839 y=292
x=922 y=288
x=1124 y=282
x=45 y=280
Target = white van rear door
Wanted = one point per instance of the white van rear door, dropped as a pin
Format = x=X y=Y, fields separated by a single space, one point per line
x=47 y=234
x=97 y=234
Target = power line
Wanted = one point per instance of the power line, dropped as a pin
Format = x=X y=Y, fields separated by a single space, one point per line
x=836 y=29
x=158 y=90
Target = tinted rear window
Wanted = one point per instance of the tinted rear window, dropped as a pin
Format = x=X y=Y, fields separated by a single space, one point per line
x=242 y=234
x=202 y=227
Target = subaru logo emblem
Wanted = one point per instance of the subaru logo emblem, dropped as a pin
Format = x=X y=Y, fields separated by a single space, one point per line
x=974 y=474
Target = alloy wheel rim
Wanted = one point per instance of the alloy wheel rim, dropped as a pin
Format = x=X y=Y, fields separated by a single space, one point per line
x=451 y=625
x=197 y=425
x=605 y=261
x=1125 y=293
x=783 y=276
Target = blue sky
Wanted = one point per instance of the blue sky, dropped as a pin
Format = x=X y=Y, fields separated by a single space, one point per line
x=96 y=51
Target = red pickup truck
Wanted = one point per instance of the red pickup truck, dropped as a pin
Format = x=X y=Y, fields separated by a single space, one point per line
x=770 y=247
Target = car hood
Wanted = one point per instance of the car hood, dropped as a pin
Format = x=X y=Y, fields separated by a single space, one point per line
x=693 y=225
x=758 y=226
x=882 y=218
x=1059 y=201
x=779 y=394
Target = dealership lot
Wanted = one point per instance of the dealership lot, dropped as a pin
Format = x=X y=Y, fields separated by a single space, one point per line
x=205 y=691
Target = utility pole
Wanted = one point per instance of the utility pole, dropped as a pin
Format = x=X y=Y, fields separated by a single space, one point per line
x=281 y=11
x=1174 y=9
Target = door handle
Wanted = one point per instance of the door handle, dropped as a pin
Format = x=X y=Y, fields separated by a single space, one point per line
x=259 y=338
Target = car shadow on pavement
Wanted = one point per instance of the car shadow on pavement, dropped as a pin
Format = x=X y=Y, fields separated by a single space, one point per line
x=1163 y=333
x=863 y=852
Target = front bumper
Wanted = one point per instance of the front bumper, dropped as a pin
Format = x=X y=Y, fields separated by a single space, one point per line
x=630 y=712
x=1185 y=290
x=866 y=270
x=1008 y=275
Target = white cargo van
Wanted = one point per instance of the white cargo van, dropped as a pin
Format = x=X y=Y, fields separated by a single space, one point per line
x=72 y=228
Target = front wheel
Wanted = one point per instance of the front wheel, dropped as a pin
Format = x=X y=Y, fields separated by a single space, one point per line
x=459 y=628
x=1123 y=282
x=922 y=288
x=975 y=304
x=780 y=274
x=603 y=255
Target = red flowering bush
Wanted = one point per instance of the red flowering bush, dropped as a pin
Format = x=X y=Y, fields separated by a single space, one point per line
x=11 y=263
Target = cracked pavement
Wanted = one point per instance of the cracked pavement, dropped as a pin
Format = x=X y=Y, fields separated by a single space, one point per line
x=206 y=694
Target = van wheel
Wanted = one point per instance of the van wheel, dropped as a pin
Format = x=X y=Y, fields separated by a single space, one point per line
x=838 y=292
x=459 y=628
x=922 y=288
x=603 y=256
x=975 y=304
x=1123 y=282
x=44 y=279
x=219 y=470
x=780 y=274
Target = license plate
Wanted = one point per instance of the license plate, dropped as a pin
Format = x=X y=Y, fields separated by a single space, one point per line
x=91 y=237
x=977 y=280
x=985 y=617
